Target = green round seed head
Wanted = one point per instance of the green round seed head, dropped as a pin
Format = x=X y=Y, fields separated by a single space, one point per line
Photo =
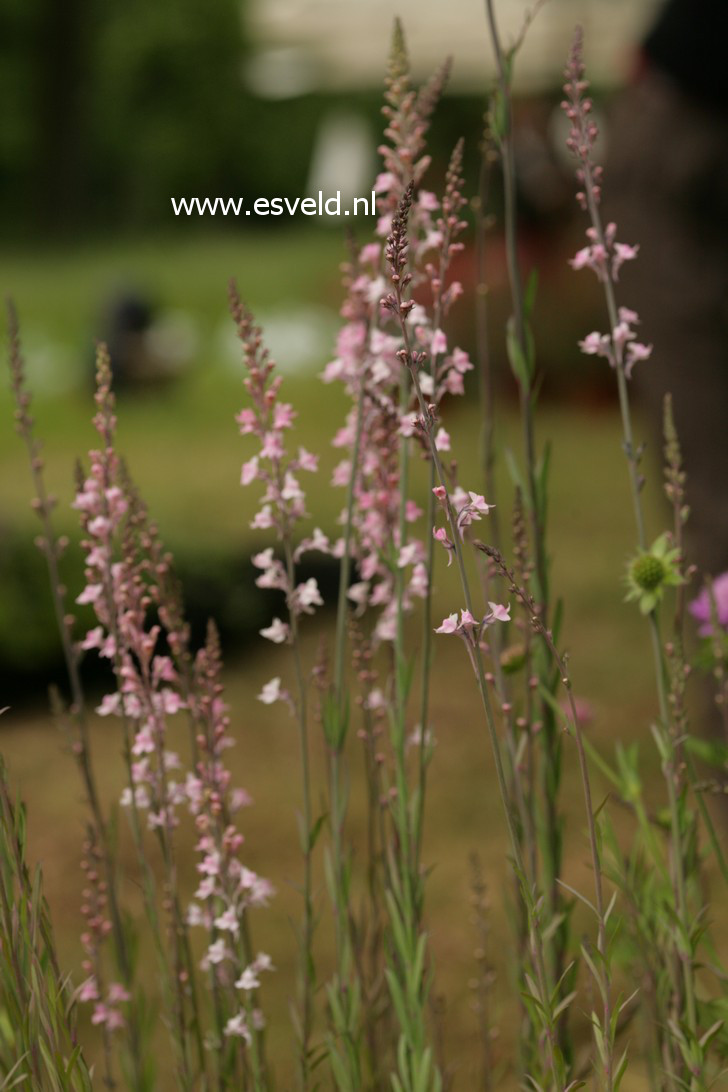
x=648 y=572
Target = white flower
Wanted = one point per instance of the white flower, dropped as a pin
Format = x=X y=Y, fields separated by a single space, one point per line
x=271 y=692
x=237 y=1025
x=277 y=632
x=308 y=596
x=228 y=921
x=217 y=951
x=249 y=979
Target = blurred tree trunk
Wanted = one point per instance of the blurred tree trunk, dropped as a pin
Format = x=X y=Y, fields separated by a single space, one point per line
x=63 y=39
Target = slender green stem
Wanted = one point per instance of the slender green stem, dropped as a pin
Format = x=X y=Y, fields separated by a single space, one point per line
x=82 y=752
x=636 y=483
x=425 y=679
x=302 y=721
x=550 y=741
x=477 y=661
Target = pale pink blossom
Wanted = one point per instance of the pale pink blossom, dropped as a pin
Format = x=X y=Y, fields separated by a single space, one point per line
x=277 y=631
x=228 y=921
x=217 y=952
x=88 y=990
x=307 y=596
x=250 y=471
x=306 y=460
x=272 y=692
x=449 y=624
x=442 y=440
x=498 y=613
x=283 y=415
x=439 y=343
x=237 y=1025
x=249 y=979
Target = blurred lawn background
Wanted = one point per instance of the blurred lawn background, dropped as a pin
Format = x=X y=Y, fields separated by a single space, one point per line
x=83 y=224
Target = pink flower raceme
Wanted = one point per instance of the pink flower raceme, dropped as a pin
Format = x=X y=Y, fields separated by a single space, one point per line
x=467 y=508
x=227 y=890
x=125 y=574
x=622 y=347
x=408 y=115
x=604 y=255
x=283 y=501
x=129 y=588
x=369 y=349
x=701 y=607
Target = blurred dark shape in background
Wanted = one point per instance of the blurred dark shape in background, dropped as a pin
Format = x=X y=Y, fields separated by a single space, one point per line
x=148 y=348
x=127 y=324
x=668 y=190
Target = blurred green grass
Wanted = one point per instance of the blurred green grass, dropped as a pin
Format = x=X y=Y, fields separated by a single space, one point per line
x=184 y=451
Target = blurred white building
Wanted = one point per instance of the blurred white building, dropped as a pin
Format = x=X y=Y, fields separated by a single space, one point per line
x=342 y=44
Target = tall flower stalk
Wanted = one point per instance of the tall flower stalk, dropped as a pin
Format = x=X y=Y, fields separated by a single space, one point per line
x=621 y=348
x=542 y=799
x=282 y=507
x=53 y=547
x=469 y=628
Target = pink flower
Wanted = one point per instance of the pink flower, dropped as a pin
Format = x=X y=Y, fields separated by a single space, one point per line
x=439 y=343
x=595 y=344
x=369 y=254
x=263 y=519
x=272 y=447
x=100 y=1014
x=263 y=962
x=249 y=979
x=110 y=704
x=409 y=554
x=237 y=1025
x=498 y=613
x=700 y=608
x=308 y=596
x=307 y=461
x=440 y=535
x=272 y=692
x=249 y=471
x=90 y=594
x=419 y=584
x=277 y=631
x=442 y=440
x=636 y=351
x=228 y=921
x=217 y=952
x=247 y=421
x=94 y=638
x=114 y=1019
x=478 y=503
x=449 y=624
x=359 y=593
x=622 y=253
x=264 y=559
x=89 y=990
x=385 y=182
x=283 y=415
x=99 y=527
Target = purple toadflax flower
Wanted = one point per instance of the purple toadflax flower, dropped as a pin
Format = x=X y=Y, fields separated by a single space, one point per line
x=702 y=610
